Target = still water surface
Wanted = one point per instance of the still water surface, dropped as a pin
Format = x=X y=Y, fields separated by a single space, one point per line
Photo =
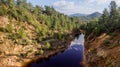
x=71 y=57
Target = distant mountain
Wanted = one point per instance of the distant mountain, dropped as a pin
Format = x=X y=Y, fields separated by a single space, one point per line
x=78 y=15
x=87 y=16
x=94 y=15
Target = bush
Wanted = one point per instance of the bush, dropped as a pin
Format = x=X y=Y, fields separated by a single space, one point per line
x=12 y=36
x=8 y=28
x=24 y=42
x=60 y=36
x=34 y=42
x=21 y=41
x=3 y=11
x=41 y=51
x=39 y=39
x=21 y=33
x=20 y=18
x=48 y=45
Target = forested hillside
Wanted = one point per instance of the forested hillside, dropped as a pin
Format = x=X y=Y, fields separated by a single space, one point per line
x=27 y=31
x=107 y=23
x=87 y=17
x=102 y=41
x=45 y=20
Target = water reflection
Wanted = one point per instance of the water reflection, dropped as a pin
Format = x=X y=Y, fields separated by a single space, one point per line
x=71 y=57
x=79 y=40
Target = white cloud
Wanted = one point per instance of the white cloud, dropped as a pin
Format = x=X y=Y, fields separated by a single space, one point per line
x=85 y=7
x=64 y=5
x=100 y=2
x=70 y=7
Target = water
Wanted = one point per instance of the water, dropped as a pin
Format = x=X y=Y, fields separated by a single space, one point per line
x=71 y=57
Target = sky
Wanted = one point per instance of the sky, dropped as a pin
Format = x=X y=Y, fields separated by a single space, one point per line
x=75 y=6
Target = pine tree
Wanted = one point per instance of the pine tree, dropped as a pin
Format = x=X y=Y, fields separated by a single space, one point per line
x=113 y=10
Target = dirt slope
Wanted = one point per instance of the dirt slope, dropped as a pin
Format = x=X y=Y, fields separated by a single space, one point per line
x=103 y=51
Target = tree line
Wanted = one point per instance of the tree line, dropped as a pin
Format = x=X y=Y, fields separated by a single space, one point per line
x=46 y=20
x=107 y=23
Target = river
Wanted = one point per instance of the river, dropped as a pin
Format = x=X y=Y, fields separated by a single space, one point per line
x=71 y=57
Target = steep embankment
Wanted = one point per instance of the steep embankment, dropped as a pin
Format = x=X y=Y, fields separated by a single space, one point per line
x=14 y=51
x=103 y=51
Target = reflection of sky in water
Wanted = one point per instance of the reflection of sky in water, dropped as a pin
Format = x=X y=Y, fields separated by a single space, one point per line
x=78 y=41
x=77 y=44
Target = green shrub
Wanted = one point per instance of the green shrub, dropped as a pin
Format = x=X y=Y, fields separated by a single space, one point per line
x=47 y=45
x=3 y=11
x=21 y=41
x=60 y=36
x=24 y=42
x=19 y=23
x=12 y=36
x=29 y=19
x=20 y=18
x=41 y=51
x=21 y=33
x=8 y=28
x=34 y=42
x=10 y=18
x=39 y=39
x=31 y=49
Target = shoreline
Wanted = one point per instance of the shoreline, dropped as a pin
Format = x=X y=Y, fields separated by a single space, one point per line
x=18 y=61
x=50 y=53
x=42 y=57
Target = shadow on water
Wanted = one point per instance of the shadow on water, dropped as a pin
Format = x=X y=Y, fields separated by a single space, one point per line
x=71 y=57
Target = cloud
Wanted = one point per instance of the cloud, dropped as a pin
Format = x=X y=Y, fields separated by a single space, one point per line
x=70 y=7
x=100 y=2
x=64 y=4
x=85 y=6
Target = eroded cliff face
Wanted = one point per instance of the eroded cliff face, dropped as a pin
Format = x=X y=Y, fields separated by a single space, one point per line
x=103 y=51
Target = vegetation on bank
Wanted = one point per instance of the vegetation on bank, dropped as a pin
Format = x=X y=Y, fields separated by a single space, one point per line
x=103 y=39
x=46 y=23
